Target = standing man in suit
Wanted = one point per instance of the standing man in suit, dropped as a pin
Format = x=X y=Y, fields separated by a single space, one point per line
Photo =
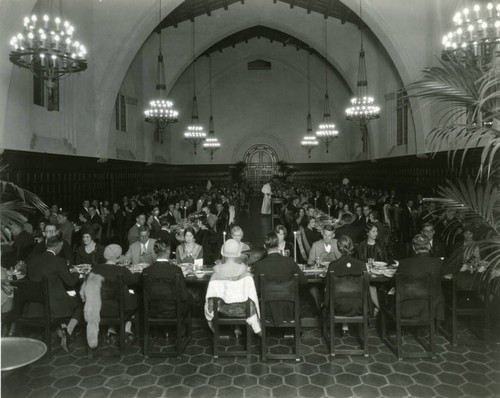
x=66 y=227
x=415 y=267
x=62 y=305
x=156 y=224
x=325 y=249
x=133 y=232
x=142 y=251
x=170 y=214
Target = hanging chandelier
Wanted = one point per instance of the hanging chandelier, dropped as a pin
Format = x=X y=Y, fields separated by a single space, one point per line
x=363 y=108
x=326 y=131
x=211 y=143
x=46 y=46
x=309 y=142
x=476 y=35
x=194 y=132
x=161 y=111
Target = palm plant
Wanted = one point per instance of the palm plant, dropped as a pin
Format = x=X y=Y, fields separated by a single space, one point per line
x=15 y=203
x=469 y=96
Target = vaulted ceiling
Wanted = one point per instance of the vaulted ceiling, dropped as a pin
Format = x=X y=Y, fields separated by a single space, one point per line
x=191 y=9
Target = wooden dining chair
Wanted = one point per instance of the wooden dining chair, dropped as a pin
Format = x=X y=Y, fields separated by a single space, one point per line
x=162 y=306
x=35 y=294
x=280 y=298
x=408 y=290
x=220 y=319
x=465 y=296
x=347 y=288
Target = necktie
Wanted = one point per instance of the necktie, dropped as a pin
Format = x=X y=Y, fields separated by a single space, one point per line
x=327 y=248
x=143 y=248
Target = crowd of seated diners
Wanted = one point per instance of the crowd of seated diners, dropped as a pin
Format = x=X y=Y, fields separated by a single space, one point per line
x=189 y=224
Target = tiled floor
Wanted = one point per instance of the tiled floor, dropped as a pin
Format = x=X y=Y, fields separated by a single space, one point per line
x=466 y=371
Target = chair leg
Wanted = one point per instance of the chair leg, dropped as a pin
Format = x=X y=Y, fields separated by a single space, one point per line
x=216 y=339
x=146 y=339
x=263 y=341
x=297 y=341
x=179 y=339
x=332 y=335
x=122 y=340
x=365 y=336
x=399 y=340
x=432 y=335
x=249 y=341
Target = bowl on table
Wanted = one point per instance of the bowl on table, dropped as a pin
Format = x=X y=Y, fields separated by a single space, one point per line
x=199 y=274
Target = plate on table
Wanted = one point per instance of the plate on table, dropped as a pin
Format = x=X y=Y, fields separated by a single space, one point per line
x=375 y=271
x=379 y=264
x=83 y=268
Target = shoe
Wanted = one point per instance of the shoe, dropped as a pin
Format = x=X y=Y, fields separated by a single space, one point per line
x=129 y=338
x=237 y=332
x=110 y=337
x=65 y=339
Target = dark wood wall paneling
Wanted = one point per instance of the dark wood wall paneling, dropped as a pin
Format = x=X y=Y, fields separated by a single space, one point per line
x=67 y=180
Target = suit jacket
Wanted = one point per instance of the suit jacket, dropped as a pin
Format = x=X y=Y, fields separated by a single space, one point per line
x=133 y=234
x=171 y=218
x=23 y=244
x=438 y=249
x=48 y=264
x=417 y=266
x=353 y=231
x=277 y=267
x=318 y=250
x=167 y=270
x=134 y=256
x=345 y=265
x=280 y=269
x=66 y=253
x=155 y=229
x=67 y=231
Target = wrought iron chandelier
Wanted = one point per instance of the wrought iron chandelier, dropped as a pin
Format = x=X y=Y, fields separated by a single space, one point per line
x=211 y=143
x=363 y=108
x=46 y=46
x=476 y=35
x=194 y=132
x=326 y=131
x=160 y=112
x=309 y=142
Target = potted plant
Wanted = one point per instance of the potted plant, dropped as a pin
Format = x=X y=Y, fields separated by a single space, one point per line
x=468 y=93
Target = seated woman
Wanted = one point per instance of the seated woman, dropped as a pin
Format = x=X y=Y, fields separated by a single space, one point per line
x=89 y=252
x=234 y=300
x=370 y=249
x=302 y=219
x=285 y=248
x=465 y=256
x=106 y=303
x=345 y=265
x=189 y=250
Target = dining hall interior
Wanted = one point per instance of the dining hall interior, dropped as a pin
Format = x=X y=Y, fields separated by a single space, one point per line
x=250 y=198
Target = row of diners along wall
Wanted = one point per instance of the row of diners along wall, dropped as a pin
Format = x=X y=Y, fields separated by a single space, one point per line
x=68 y=179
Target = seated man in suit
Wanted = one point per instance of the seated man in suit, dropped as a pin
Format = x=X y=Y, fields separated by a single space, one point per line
x=143 y=250
x=438 y=248
x=62 y=305
x=281 y=269
x=324 y=250
x=49 y=231
x=163 y=268
x=415 y=267
x=23 y=241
